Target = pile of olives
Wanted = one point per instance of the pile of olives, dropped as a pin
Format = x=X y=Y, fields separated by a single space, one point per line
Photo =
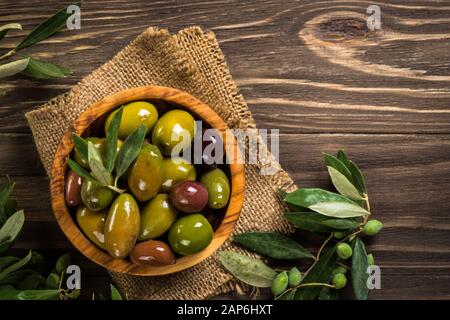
x=165 y=210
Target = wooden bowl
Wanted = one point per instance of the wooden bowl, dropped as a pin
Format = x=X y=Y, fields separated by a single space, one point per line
x=103 y=107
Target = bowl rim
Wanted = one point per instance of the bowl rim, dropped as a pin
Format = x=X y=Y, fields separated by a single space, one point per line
x=95 y=111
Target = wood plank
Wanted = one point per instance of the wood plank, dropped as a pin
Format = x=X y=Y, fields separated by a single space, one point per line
x=316 y=63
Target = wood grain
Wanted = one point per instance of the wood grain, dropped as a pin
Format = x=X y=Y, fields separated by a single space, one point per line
x=312 y=70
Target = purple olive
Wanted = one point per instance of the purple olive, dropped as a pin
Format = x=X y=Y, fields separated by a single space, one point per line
x=152 y=253
x=189 y=196
x=73 y=188
x=212 y=148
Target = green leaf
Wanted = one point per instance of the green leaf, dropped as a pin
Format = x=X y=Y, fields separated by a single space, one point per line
x=5 y=28
x=290 y=295
x=319 y=273
x=95 y=163
x=81 y=146
x=10 y=207
x=343 y=157
x=249 y=270
x=12 y=227
x=31 y=282
x=4 y=245
x=115 y=294
x=326 y=203
x=328 y=293
x=357 y=177
x=19 y=264
x=5 y=191
x=111 y=141
x=37 y=262
x=130 y=150
x=15 y=277
x=315 y=222
x=359 y=270
x=46 y=28
x=273 y=245
x=45 y=70
x=29 y=295
x=52 y=281
x=12 y=68
x=72 y=294
x=62 y=263
x=337 y=164
x=5 y=262
x=343 y=185
x=79 y=170
x=339 y=209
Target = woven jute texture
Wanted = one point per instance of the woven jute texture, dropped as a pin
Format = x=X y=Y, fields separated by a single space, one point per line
x=193 y=62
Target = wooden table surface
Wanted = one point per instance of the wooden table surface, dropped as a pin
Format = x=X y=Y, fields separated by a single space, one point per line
x=309 y=68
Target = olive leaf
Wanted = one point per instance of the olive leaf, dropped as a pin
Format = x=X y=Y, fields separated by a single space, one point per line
x=7 y=261
x=31 y=282
x=62 y=263
x=52 y=281
x=5 y=28
x=130 y=150
x=29 y=294
x=112 y=135
x=357 y=177
x=4 y=245
x=71 y=294
x=315 y=222
x=46 y=28
x=80 y=170
x=5 y=192
x=13 y=278
x=343 y=185
x=10 y=207
x=325 y=202
x=36 y=263
x=12 y=227
x=319 y=273
x=273 y=245
x=19 y=264
x=115 y=294
x=96 y=164
x=249 y=270
x=45 y=70
x=289 y=295
x=359 y=270
x=337 y=164
x=81 y=146
x=12 y=68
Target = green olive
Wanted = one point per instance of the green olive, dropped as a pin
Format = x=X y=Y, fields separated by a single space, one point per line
x=218 y=186
x=344 y=251
x=339 y=281
x=146 y=173
x=95 y=196
x=175 y=128
x=372 y=227
x=122 y=226
x=92 y=224
x=280 y=283
x=158 y=215
x=98 y=143
x=190 y=234
x=133 y=115
x=175 y=170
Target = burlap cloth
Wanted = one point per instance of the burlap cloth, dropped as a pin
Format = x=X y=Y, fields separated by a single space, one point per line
x=191 y=61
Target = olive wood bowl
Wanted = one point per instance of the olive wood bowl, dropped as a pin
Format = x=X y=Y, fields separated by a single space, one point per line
x=174 y=97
